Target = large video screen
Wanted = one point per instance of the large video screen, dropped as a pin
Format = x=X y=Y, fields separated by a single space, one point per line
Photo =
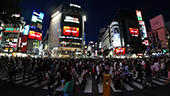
x=120 y=50
x=36 y=47
x=134 y=32
x=35 y=35
x=71 y=31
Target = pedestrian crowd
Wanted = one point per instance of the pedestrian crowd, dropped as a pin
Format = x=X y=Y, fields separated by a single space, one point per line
x=68 y=71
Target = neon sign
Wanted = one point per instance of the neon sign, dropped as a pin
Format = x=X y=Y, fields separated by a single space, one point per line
x=35 y=35
x=74 y=5
x=71 y=19
x=37 y=17
x=26 y=30
x=13 y=30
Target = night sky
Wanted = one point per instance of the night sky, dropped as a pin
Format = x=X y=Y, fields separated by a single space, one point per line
x=99 y=13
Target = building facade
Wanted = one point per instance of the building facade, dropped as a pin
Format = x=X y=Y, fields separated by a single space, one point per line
x=66 y=32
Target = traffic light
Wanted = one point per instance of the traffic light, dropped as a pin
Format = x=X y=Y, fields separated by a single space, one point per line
x=164 y=50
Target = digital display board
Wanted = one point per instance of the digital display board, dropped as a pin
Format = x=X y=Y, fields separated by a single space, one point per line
x=71 y=31
x=26 y=29
x=142 y=24
x=120 y=50
x=37 y=17
x=24 y=44
x=12 y=30
x=134 y=32
x=36 y=45
x=71 y=19
x=35 y=35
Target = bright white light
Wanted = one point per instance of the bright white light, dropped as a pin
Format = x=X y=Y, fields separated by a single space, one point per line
x=84 y=18
x=55 y=14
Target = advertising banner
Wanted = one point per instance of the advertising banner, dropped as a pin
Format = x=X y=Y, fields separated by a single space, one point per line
x=26 y=29
x=36 y=47
x=35 y=35
x=134 y=32
x=24 y=44
x=71 y=31
x=12 y=30
x=120 y=50
x=116 y=34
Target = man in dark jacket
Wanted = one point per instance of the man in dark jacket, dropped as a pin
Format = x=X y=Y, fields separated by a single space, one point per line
x=148 y=76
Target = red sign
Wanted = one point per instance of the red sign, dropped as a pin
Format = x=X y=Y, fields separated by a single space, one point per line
x=134 y=32
x=145 y=42
x=121 y=50
x=35 y=35
x=71 y=31
x=24 y=44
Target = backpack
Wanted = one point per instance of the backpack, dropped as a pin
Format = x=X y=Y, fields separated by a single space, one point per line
x=52 y=80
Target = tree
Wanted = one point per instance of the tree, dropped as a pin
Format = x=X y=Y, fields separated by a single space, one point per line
x=7 y=9
x=106 y=52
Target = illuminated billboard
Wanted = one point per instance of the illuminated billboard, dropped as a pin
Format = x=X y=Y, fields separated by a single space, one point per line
x=142 y=24
x=120 y=50
x=71 y=31
x=134 y=32
x=26 y=29
x=12 y=30
x=71 y=19
x=36 y=47
x=24 y=44
x=35 y=35
x=114 y=30
x=37 y=17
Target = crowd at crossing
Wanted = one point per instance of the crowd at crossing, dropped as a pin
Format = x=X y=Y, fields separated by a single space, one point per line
x=73 y=75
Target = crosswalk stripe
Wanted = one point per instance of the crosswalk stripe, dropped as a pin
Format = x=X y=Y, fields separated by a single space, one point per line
x=137 y=85
x=100 y=88
x=127 y=87
x=51 y=86
x=163 y=77
x=20 y=81
x=38 y=85
x=159 y=83
x=148 y=84
x=30 y=82
x=88 y=88
x=60 y=88
x=113 y=88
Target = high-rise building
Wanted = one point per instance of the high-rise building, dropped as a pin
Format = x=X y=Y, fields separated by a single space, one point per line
x=66 y=32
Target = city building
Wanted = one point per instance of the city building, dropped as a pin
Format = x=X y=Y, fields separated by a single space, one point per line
x=66 y=32
x=158 y=35
x=125 y=30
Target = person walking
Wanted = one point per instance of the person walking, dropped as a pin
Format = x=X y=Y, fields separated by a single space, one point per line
x=148 y=76
x=68 y=84
x=168 y=77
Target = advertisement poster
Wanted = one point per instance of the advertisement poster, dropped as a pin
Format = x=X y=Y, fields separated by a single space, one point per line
x=120 y=50
x=24 y=44
x=71 y=31
x=134 y=32
x=35 y=35
x=36 y=47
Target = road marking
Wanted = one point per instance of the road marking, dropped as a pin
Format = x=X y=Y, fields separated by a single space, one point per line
x=100 y=88
x=38 y=85
x=113 y=88
x=127 y=87
x=137 y=85
x=88 y=88
x=60 y=88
